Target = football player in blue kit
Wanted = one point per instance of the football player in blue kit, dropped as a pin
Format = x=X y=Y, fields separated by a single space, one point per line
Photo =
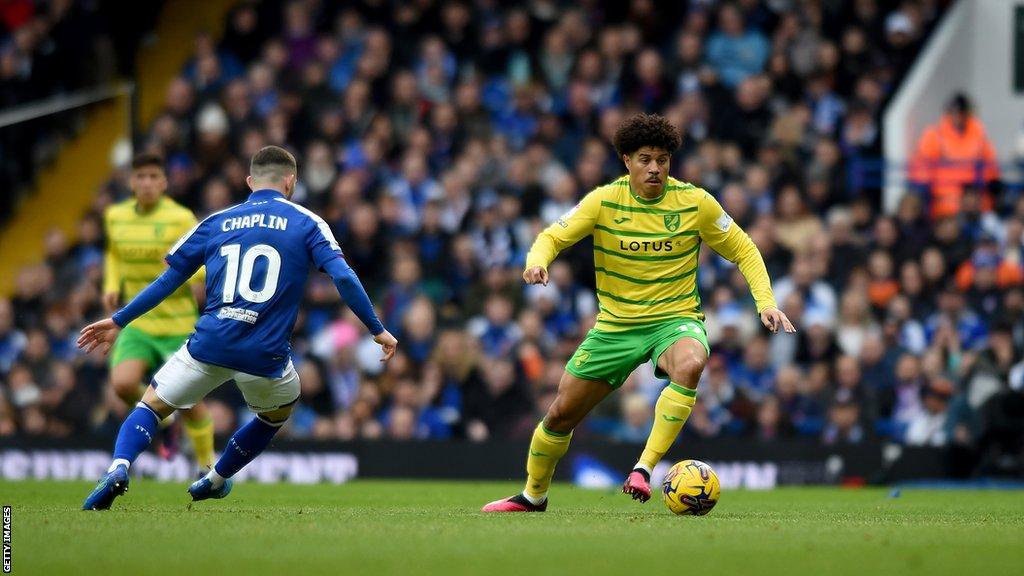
x=257 y=256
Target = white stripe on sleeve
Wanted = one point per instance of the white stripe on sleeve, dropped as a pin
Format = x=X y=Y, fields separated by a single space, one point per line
x=325 y=230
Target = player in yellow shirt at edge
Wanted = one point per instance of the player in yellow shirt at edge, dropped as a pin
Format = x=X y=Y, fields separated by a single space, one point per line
x=647 y=230
x=140 y=231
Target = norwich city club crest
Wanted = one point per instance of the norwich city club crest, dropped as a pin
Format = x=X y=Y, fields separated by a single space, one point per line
x=672 y=222
x=581 y=357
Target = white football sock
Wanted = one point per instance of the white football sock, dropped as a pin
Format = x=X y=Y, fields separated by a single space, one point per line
x=119 y=462
x=640 y=466
x=536 y=500
x=216 y=479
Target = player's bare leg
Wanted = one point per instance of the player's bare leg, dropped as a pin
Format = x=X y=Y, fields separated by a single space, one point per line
x=575 y=399
x=683 y=361
x=126 y=379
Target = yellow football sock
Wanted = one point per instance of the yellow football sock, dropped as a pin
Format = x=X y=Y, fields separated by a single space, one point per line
x=546 y=449
x=200 y=432
x=670 y=413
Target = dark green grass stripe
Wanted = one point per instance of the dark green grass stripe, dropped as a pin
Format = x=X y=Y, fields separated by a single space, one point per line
x=647 y=302
x=643 y=210
x=659 y=280
x=674 y=256
x=633 y=234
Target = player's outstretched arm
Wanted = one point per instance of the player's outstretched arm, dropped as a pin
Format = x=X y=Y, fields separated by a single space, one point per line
x=388 y=344
x=728 y=239
x=352 y=291
x=773 y=319
x=536 y=275
x=562 y=233
x=101 y=335
x=151 y=295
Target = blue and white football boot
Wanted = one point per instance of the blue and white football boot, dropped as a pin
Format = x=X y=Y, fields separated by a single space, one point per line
x=203 y=488
x=112 y=485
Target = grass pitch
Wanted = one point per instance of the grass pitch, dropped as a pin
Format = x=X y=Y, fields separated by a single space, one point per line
x=425 y=528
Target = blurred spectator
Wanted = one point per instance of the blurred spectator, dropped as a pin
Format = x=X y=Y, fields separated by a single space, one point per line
x=12 y=340
x=930 y=426
x=733 y=51
x=496 y=407
x=843 y=426
x=754 y=375
x=952 y=154
x=437 y=141
x=636 y=420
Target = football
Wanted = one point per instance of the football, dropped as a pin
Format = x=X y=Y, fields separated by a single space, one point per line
x=691 y=488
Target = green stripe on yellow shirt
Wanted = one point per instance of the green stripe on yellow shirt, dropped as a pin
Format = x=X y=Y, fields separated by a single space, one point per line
x=644 y=260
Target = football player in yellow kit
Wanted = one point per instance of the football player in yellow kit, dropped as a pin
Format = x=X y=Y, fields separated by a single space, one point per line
x=647 y=230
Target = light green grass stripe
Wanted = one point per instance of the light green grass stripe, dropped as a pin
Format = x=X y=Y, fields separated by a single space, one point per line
x=647 y=302
x=643 y=210
x=675 y=256
x=432 y=528
x=632 y=234
x=661 y=280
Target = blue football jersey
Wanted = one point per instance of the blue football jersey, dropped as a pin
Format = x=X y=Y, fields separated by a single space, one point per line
x=257 y=256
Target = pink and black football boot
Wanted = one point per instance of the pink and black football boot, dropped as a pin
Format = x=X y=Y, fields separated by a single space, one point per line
x=517 y=503
x=638 y=485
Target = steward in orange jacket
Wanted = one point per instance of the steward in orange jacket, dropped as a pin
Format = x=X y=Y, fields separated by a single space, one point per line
x=952 y=154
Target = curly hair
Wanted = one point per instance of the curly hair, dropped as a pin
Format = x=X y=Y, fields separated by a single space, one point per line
x=642 y=130
x=147 y=159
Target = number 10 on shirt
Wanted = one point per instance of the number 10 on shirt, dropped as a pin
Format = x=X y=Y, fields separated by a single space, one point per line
x=243 y=281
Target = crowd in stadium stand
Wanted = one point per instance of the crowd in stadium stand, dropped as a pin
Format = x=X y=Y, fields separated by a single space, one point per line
x=438 y=138
x=52 y=48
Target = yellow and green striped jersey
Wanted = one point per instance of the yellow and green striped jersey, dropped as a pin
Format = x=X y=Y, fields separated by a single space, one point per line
x=136 y=246
x=645 y=251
